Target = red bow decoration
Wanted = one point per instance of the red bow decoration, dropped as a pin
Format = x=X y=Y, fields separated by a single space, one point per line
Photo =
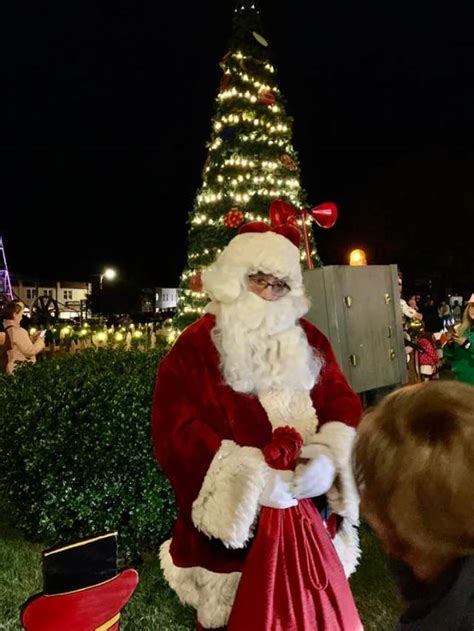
x=283 y=221
x=283 y=218
x=325 y=215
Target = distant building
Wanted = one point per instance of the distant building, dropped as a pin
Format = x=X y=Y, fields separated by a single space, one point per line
x=166 y=298
x=70 y=296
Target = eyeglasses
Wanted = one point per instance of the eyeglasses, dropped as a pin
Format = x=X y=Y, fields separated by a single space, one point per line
x=279 y=288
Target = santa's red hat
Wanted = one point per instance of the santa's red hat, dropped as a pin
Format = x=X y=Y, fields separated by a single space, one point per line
x=271 y=249
x=83 y=590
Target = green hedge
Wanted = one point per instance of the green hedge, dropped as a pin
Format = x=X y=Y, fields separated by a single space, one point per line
x=75 y=449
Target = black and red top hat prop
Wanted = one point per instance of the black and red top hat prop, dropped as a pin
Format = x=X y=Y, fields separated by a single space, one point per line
x=83 y=589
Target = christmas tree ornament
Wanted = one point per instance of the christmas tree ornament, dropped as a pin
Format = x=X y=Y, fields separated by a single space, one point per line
x=225 y=82
x=195 y=281
x=266 y=96
x=233 y=218
x=228 y=133
x=260 y=39
x=288 y=162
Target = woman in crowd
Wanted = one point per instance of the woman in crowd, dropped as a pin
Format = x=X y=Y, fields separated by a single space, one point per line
x=459 y=346
x=18 y=346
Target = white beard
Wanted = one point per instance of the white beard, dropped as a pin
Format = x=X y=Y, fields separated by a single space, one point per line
x=261 y=345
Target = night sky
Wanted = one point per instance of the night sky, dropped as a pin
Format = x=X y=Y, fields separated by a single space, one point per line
x=106 y=110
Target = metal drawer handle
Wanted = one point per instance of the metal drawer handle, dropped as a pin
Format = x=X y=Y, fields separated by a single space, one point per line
x=353 y=359
x=348 y=301
x=392 y=354
x=389 y=330
x=387 y=298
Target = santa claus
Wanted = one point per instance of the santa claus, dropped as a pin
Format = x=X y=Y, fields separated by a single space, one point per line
x=250 y=365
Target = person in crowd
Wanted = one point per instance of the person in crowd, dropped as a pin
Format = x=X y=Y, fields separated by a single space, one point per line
x=444 y=312
x=459 y=346
x=431 y=318
x=408 y=312
x=18 y=346
x=251 y=366
x=412 y=321
x=457 y=311
x=428 y=358
x=413 y=302
x=414 y=466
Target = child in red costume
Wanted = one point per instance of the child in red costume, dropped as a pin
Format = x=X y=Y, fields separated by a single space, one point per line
x=249 y=366
x=428 y=359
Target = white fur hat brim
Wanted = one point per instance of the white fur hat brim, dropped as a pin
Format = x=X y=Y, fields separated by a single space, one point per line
x=253 y=252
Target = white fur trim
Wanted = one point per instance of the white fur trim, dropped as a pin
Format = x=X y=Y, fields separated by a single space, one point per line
x=343 y=497
x=293 y=408
x=223 y=283
x=212 y=594
x=227 y=505
x=347 y=546
x=339 y=438
x=267 y=252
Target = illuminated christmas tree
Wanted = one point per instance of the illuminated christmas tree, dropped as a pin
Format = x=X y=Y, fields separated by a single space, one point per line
x=251 y=159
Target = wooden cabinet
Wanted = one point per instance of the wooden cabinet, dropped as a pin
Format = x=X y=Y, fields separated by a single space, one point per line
x=358 y=308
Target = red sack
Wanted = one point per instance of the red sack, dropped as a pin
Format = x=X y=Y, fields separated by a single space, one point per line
x=292 y=579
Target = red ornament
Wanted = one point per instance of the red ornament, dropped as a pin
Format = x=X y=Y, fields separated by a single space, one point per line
x=233 y=218
x=288 y=162
x=225 y=82
x=266 y=96
x=325 y=215
x=195 y=281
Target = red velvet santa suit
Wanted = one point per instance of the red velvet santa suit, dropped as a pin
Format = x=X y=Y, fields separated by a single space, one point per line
x=208 y=440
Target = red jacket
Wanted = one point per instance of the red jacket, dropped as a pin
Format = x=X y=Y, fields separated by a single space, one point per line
x=193 y=412
x=429 y=356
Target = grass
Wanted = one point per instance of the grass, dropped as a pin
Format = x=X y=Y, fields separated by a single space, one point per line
x=374 y=590
x=20 y=575
x=154 y=607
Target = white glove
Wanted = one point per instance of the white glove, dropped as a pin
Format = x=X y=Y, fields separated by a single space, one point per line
x=315 y=477
x=277 y=491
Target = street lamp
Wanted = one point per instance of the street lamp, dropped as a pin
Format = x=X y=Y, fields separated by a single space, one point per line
x=109 y=274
